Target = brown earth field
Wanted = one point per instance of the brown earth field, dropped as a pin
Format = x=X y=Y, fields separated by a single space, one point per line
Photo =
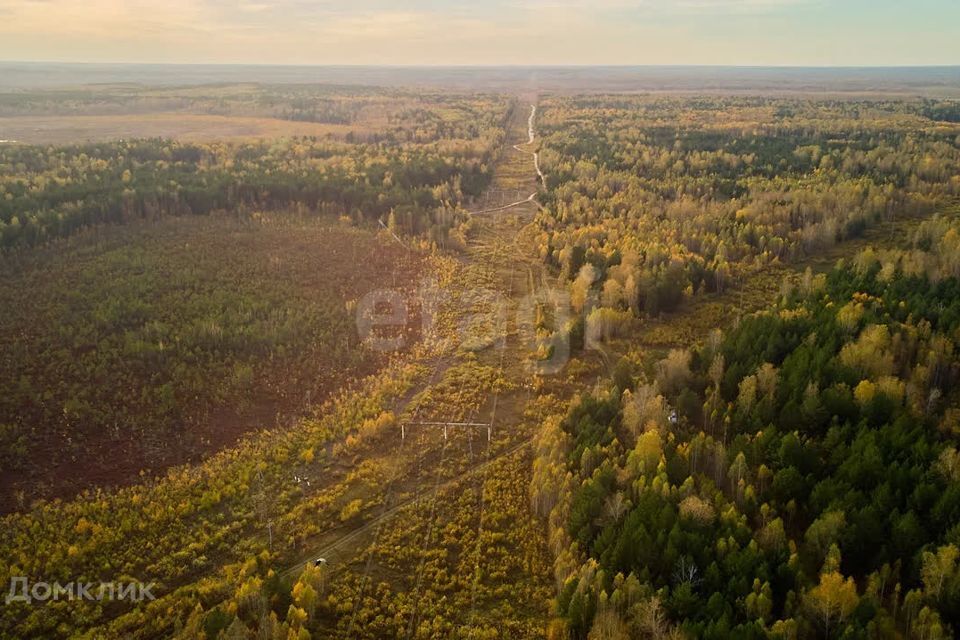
x=245 y=325
x=72 y=129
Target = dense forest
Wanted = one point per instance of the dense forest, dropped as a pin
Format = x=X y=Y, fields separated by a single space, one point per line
x=795 y=477
x=650 y=201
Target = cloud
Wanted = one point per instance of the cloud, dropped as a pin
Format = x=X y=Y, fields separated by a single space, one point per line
x=255 y=7
x=101 y=18
x=662 y=7
x=737 y=6
x=400 y=25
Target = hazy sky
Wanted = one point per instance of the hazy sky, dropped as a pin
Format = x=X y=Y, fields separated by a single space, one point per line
x=739 y=32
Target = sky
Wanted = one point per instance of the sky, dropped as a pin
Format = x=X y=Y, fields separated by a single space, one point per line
x=485 y=32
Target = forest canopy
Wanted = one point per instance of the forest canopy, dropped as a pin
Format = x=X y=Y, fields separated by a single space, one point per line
x=809 y=486
x=654 y=200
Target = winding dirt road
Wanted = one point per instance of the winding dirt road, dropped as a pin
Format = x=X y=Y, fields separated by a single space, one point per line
x=531 y=130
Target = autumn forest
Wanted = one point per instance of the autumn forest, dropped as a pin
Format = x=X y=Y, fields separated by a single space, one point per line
x=327 y=361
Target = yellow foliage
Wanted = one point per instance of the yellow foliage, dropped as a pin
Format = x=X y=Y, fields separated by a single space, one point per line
x=865 y=392
x=833 y=599
x=351 y=509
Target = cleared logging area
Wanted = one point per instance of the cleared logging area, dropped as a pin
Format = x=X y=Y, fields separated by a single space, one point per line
x=145 y=346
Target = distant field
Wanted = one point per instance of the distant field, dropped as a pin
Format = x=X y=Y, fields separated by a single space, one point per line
x=931 y=81
x=234 y=111
x=71 y=129
x=138 y=347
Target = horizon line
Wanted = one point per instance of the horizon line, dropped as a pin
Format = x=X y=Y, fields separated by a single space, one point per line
x=497 y=66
